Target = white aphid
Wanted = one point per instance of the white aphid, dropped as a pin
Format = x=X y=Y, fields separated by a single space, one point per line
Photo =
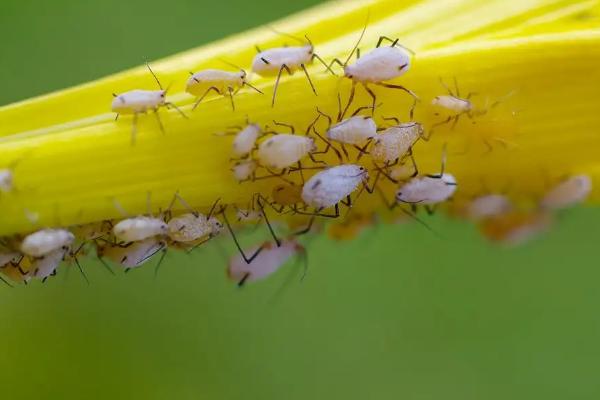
x=45 y=266
x=270 y=62
x=453 y=103
x=396 y=141
x=45 y=241
x=190 y=227
x=6 y=180
x=427 y=190
x=327 y=188
x=243 y=170
x=378 y=65
x=267 y=262
x=354 y=130
x=9 y=257
x=284 y=150
x=488 y=206
x=139 y=228
x=245 y=140
x=568 y=193
x=138 y=101
x=134 y=254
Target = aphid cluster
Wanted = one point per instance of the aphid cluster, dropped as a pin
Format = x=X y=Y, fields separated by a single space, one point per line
x=319 y=172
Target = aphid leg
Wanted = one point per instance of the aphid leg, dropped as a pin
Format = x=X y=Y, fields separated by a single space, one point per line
x=321 y=113
x=5 y=281
x=215 y=89
x=262 y=210
x=328 y=68
x=283 y=67
x=160 y=124
x=382 y=171
x=336 y=61
x=248 y=260
x=308 y=77
x=160 y=260
x=410 y=92
x=134 y=128
x=345 y=151
x=394 y=44
x=244 y=279
x=291 y=127
x=328 y=146
x=414 y=163
x=359 y=109
x=373 y=96
x=448 y=89
x=169 y=105
x=304 y=231
x=318 y=213
x=108 y=268
x=117 y=117
x=230 y=91
x=350 y=99
x=456 y=87
x=396 y=120
x=258 y=50
x=300 y=170
x=430 y=209
x=81 y=269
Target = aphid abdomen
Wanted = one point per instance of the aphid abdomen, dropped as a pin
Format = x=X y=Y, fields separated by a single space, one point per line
x=427 y=190
x=379 y=65
x=45 y=241
x=268 y=261
x=284 y=150
x=452 y=103
x=138 y=101
x=188 y=227
x=245 y=140
x=201 y=81
x=354 y=130
x=139 y=228
x=327 y=188
x=568 y=193
x=269 y=62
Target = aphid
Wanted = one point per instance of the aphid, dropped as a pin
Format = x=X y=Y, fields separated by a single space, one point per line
x=6 y=180
x=567 y=193
x=140 y=101
x=453 y=103
x=45 y=266
x=428 y=190
x=395 y=142
x=139 y=228
x=274 y=61
x=92 y=231
x=488 y=206
x=133 y=254
x=378 y=66
x=330 y=187
x=284 y=150
x=515 y=228
x=221 y=82
x=245 y=140
x=193 y=226
x=244 y=170
x=356 y=130
x=45 y=241
x=267 y=262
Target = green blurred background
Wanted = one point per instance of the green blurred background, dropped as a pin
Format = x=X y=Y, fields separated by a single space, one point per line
x=398 y=313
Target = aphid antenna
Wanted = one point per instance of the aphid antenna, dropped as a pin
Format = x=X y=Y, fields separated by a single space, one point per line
x=394 y=43
x=80 y=269
x=289 y=126
x=154 y=75
x=443 y=164
x=296 y=38
x=329 y=145
x=231 y=64
x=262 y=210
x=120 y=208
x=421 y=222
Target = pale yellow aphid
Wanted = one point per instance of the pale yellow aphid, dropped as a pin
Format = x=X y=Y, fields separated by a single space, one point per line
x=245 y=140
x=221 y=82
x=395 y=142
x=190 y=227
x=488 y=206
x=92 y=231
x=139 y=228
x=329 y=187
x=516 y=228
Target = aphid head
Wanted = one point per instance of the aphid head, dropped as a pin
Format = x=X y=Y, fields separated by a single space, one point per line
x=216 y=226
x=243 y=75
